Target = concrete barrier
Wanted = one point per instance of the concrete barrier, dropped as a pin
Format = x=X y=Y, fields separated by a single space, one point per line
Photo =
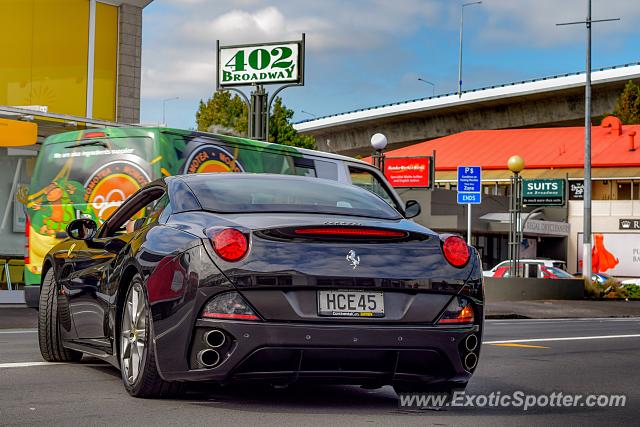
x=520 y=289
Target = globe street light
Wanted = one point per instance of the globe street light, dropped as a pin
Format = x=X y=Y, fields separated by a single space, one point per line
x=515 y=165
x=460 y=50
x=378 y=142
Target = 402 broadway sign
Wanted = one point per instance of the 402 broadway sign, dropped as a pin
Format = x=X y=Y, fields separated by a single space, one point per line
x=543 y=192
x=259 y=64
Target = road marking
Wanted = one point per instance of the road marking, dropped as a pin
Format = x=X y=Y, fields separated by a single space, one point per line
x=27 y=364
x=597 y=337
x=519 y=345
x=18 y=331
x=566 y=319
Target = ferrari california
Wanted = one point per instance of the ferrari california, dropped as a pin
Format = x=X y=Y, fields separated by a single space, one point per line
x=230 y=278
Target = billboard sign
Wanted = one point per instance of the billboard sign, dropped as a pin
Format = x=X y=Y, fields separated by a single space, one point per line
x=543 y=192
x=409 y=172
x=260 y=64
x=616 y=254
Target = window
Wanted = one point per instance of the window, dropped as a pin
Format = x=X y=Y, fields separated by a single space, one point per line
x=365 y=179
x=136 y=213
x=622 y=190
x=601 y=190
x=248 y=193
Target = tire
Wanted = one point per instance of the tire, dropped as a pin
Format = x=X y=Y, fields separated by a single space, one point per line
x=143 y=381
x=439 y=388
x=49 y=339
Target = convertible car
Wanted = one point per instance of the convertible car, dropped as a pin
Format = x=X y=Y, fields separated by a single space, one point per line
x=228 y=278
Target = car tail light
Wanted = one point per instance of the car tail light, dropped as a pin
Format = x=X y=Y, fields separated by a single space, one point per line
x=456 y=251
x=228 y=243
x=89 y=135
x=27 y=233
x=349 y=231
x=458 y=312
x=229 y=305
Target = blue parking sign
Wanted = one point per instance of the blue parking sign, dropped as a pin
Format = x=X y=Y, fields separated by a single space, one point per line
x=469 y=186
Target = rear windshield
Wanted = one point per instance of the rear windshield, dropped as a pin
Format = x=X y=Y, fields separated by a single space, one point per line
x=260 y=193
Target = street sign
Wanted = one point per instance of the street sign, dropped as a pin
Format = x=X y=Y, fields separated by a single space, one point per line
x=543 y=192
x=469 y=188
x=260 y=64
x=409 y=172
x=469 y=198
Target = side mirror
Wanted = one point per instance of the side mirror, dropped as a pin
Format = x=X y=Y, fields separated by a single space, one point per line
x=82 y=229
x=412 y=209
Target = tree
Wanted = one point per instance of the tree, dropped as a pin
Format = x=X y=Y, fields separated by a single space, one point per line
x=223 y=113
x=628 y=104
x=281 y=130
x=222 y=110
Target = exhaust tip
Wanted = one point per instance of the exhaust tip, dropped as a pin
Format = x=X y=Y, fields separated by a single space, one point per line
x=471 y=343
x=214 y=338
x=208 y=358
x=470 y=361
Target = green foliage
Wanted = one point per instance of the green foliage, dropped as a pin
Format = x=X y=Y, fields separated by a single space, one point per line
x=223 y=110
x=609 y=289
x=633 y=291
x=628 y=104
x=282 y=132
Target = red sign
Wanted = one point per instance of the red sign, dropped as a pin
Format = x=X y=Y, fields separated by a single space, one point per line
x=408 y=171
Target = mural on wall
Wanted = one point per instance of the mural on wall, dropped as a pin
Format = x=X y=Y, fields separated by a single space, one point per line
x=616 y=254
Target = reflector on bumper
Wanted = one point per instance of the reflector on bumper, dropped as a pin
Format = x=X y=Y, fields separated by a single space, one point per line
x=229 y=305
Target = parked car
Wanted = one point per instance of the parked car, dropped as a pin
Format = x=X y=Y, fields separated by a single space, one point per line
x=235 y=277
x=528 y=265
x=533 y=271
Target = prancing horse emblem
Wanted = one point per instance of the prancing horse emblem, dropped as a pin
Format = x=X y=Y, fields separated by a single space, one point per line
x=353 y=259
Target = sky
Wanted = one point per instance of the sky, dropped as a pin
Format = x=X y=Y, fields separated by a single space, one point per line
x=363 y=53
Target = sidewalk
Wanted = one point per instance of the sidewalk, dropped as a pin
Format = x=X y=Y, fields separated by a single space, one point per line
x=556 y=309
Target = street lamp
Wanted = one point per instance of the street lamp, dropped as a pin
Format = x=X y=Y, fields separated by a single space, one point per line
x=164 y=105
x=433 y=85
x=378 y=142
x=460 y=51
x=515 y=165
x=311 y=114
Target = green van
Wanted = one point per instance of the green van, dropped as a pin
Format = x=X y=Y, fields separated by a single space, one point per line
x=89 y=173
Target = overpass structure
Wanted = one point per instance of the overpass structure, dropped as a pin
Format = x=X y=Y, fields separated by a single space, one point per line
x=544 y=102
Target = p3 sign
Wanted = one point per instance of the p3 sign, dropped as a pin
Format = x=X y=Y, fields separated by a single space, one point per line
x=469 y=187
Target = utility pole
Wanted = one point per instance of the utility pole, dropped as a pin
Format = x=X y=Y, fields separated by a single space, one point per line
x=586 y=237
x=460 y=50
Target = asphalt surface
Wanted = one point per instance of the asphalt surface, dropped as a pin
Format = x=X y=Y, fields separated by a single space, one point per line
x=563 y=357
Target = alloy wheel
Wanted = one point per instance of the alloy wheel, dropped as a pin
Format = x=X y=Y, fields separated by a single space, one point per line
x=133 y=335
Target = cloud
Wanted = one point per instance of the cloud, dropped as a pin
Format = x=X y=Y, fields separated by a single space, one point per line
x=533 y=22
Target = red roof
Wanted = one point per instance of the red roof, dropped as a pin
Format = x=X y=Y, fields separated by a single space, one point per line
x=541 y=148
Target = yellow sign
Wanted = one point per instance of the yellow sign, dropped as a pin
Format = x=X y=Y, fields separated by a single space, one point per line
x=14 y=133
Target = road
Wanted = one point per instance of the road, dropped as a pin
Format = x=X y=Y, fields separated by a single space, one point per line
x=550 y=356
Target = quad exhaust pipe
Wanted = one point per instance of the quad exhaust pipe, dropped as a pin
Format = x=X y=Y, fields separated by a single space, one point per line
x=208 y=358
x=214 y=338
x=471 y=343
x=470 y=361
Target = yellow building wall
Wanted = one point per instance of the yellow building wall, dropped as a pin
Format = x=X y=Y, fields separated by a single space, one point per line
x=44 y=55
x=105 y=63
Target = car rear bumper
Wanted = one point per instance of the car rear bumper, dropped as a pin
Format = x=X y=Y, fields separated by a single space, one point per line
x=351 y=354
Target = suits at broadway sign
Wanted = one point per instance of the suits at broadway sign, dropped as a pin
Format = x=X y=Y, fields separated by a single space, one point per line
x=259 y=64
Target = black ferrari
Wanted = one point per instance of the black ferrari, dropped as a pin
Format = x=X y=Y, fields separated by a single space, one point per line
x=228 y=278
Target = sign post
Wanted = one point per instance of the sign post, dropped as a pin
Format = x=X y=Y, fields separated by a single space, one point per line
x=469 y=191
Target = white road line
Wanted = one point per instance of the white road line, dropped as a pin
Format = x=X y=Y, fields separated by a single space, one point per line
x=27 y=364
x=18 y=331
x=567 y=319
x=597 y=337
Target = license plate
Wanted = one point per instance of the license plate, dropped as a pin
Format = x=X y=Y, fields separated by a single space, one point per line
x=345 y=303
